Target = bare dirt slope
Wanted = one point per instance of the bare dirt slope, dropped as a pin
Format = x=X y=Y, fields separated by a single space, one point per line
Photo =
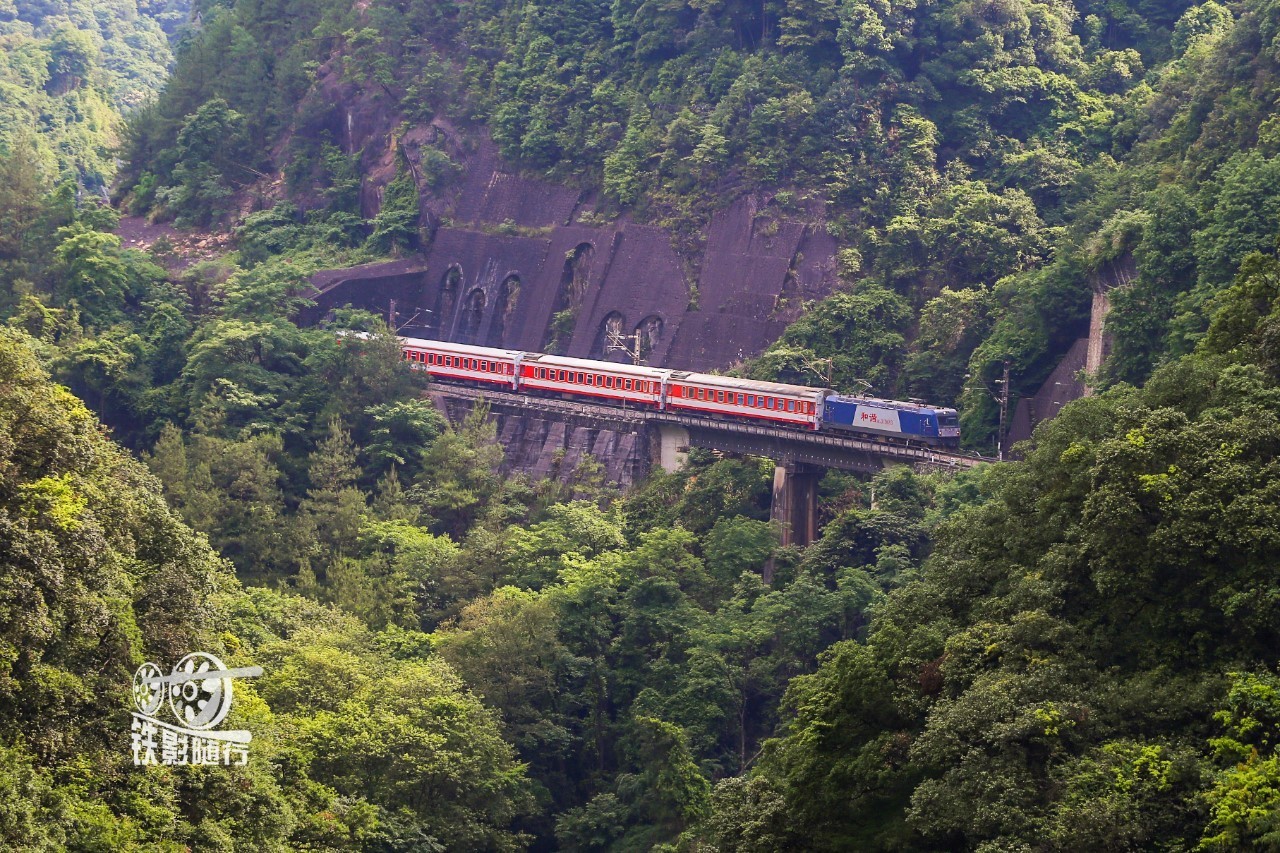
x=177 y=249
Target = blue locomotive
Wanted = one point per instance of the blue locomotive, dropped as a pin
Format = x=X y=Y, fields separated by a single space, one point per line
x=682 y=391
x=931 y=424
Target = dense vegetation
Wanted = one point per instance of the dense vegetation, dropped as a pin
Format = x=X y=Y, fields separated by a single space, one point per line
x=99 y=573
x=983 y=164
x=1075 y=651
x=69 y=68
x=597 y=628
x=1086 y=661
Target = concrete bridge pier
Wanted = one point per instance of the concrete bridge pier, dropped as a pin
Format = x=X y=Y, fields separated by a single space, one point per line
x=795 y=501
x=672 y=447
x=536 y=431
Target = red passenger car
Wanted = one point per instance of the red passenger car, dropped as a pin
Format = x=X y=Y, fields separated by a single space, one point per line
x=582 y=377
x=445 y=360
x=704 y=393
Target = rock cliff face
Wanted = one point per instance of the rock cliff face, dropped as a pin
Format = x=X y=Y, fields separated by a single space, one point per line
x=548 y=447
x=513 y=263
x=523 y=264
x=1069 y=380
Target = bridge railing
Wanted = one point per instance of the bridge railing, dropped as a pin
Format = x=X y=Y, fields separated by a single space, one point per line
x=640 y=415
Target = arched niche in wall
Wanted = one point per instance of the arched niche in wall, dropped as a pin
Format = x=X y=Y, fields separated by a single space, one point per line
x=472 y=316
x=504 y=310
x=612 y=325
x=574 y=280
x=649 y=332
x=446 y=301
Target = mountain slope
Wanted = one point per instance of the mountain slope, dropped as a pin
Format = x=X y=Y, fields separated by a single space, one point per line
x=69 y=70
x=964 y=155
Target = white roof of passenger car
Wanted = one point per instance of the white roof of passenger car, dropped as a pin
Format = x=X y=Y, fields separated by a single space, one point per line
x=750 y=386
x=561 y=362
x=460 y=349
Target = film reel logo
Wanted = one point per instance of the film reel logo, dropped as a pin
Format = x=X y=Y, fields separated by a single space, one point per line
x=198 y=691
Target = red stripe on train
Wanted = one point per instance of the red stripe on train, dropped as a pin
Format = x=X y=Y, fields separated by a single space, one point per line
x=765 y=415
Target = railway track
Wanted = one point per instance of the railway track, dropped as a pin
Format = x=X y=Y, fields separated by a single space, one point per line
x=913 y=453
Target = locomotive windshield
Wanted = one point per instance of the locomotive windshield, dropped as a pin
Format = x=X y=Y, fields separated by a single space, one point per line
x=948 y=420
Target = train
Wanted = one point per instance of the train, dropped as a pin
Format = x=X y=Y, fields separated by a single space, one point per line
x=682 y=391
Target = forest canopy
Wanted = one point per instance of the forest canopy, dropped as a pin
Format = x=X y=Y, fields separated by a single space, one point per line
x=69 y=70
x=984 y=168
x=1071 y=651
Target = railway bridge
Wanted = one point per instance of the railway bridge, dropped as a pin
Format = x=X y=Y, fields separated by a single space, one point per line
x=801 y=457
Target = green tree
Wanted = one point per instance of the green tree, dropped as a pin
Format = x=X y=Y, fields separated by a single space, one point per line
x=404 y=734
x=335 y=505
x=860 y=329
x=395 y=228
x=213 y=149
x=1208 y=18
x=460 y=472
x=94 y=274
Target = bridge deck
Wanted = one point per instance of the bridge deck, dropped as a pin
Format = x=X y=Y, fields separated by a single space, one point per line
x=815 y=442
